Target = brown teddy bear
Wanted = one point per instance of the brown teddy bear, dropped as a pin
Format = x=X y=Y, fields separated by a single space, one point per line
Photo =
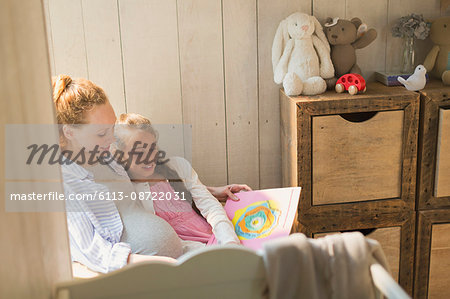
x=437 y=61
x=345 y=37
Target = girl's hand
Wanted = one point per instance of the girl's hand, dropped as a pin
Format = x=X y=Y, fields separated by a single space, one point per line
x=222 y=193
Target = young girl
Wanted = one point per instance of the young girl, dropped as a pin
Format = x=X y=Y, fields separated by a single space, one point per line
x=194 y=219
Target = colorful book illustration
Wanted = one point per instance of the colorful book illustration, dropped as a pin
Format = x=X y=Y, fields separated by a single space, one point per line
x=262 y=215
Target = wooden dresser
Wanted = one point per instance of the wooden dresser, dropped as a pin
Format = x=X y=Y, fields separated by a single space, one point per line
x=432 y=264
x=355 y=158
x=377 y=162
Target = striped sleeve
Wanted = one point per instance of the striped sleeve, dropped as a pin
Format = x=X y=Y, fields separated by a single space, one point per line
x=88 y=247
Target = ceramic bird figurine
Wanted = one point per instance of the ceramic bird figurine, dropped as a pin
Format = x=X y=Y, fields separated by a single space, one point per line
x=417 y=80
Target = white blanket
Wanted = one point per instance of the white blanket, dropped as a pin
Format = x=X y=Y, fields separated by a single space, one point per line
x=336 y=266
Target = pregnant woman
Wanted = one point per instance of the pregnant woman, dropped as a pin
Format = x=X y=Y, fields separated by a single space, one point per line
x=173 y=182
x=105 y=234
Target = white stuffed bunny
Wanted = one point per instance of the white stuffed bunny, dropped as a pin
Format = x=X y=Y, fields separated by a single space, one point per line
x=301 y=56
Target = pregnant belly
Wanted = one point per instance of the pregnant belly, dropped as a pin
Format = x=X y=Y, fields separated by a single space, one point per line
x=150 y=235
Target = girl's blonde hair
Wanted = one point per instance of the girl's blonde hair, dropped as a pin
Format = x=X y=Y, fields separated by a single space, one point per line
x=134 y=121
x=129 y=121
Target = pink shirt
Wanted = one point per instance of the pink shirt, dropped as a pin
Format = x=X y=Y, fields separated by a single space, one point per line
x=180 y=214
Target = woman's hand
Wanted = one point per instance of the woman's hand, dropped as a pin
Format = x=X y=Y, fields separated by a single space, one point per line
x=136 y=258
x=222 y=193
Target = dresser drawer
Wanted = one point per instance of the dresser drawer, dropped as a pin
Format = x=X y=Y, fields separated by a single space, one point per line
x=432 y=276
x=434 y=147
x=357 y=159
x=353 y=155
x=439 y=261
x=442 y=181
x=396 y=239
x=389 y=239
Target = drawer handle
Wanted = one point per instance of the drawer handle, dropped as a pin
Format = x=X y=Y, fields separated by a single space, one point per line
x=364 y=231
x=358 y=117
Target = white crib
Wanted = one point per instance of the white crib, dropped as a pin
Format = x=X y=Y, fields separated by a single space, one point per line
x=212 y=272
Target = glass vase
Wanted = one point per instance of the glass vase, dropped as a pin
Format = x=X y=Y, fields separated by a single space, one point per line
x=408 y=55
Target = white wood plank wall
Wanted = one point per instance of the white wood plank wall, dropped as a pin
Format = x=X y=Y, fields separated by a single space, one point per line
x=208 y=63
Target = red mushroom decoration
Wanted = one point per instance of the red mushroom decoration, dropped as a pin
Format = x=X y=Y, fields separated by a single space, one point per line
x=353 y=83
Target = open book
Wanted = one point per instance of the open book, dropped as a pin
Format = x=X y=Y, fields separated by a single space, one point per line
x=262 y=215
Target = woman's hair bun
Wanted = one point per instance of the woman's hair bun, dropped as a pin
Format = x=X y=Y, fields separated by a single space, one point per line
x=60 y=83
x=133 y=119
